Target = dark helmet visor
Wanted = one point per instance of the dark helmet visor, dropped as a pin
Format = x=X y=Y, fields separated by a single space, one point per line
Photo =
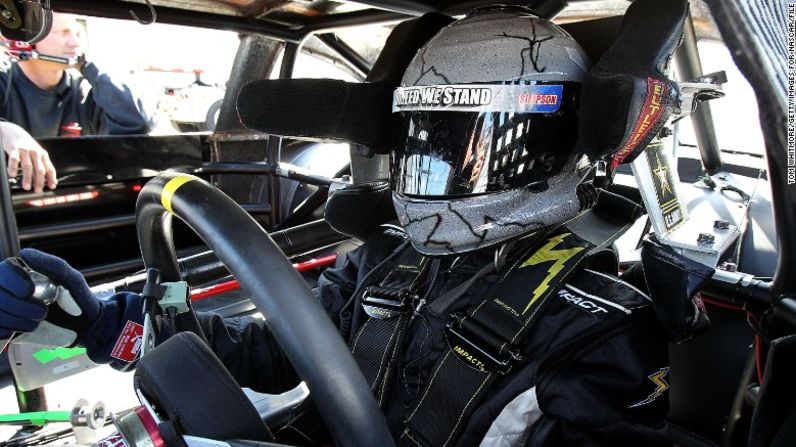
x=458 y=153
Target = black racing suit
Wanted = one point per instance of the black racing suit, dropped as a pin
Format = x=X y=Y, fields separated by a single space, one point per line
x=583 y=381
x=98 y=104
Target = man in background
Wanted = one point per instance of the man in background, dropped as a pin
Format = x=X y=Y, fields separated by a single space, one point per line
x=42 y=97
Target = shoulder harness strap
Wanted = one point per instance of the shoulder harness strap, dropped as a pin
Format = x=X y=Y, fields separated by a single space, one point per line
x=484 y=342
x=389 y=307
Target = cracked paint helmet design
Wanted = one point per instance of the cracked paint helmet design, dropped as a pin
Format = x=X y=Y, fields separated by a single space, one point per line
x=489 y=122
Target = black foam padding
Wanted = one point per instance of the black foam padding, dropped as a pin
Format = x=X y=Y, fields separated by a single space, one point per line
x=651 y=30
x=609 y=106
x=610 y=217
x=614 y=96
x=319 y=109
x=358 y=210
x=401 y=46
x=617 y=207
x=183 y=372
x=323 y=109
x=587 y=31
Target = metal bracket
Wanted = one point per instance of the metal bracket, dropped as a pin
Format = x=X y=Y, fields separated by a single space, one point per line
x=694 y=91
x=175 y=296
x=87 y=421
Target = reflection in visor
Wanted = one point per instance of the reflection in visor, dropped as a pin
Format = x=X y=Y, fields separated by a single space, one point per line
x=432 y=175
x=457 y=153
x=465 y=153
x=431 y=167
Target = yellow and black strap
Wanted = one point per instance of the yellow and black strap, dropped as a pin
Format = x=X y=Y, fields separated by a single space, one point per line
x=485 y=341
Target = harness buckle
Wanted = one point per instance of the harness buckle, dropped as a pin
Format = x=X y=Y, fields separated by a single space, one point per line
x=480 y=348
x=384 y=302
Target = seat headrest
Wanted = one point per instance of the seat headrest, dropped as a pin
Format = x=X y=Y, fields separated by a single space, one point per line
x=358 y=210
x=628 y=97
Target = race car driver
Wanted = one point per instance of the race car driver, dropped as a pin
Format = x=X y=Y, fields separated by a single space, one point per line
x=479 y=318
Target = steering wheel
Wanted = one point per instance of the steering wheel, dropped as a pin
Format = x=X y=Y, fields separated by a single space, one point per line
x=301 y=326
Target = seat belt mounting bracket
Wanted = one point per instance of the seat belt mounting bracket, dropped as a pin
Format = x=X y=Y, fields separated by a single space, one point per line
x=477 y=352
x=383 y=302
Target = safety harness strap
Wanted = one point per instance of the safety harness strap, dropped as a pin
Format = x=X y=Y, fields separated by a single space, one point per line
x=389 y=306
x=484 y=342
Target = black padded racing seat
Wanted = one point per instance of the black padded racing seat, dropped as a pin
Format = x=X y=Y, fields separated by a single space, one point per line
x=169 y=378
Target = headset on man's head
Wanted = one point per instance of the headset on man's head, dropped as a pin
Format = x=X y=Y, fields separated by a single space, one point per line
x=25 y=20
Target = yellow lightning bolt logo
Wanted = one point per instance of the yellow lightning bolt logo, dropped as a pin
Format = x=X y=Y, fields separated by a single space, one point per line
x=546 y=254
x=661 y=385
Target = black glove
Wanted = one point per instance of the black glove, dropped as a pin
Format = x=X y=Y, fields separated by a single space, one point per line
x=110 y=330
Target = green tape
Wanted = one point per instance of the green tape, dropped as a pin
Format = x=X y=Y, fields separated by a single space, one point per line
x=35 y=417
x=46 y=356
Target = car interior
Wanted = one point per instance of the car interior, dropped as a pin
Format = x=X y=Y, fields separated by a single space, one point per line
x=295 y=177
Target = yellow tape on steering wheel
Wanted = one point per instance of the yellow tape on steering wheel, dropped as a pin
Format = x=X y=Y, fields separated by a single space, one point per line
x=170 y=188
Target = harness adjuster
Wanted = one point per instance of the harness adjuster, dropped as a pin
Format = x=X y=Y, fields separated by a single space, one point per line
x=479 y=347
x=385 y=302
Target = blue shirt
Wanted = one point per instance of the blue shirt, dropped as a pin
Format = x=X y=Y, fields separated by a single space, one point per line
x=93 y=101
